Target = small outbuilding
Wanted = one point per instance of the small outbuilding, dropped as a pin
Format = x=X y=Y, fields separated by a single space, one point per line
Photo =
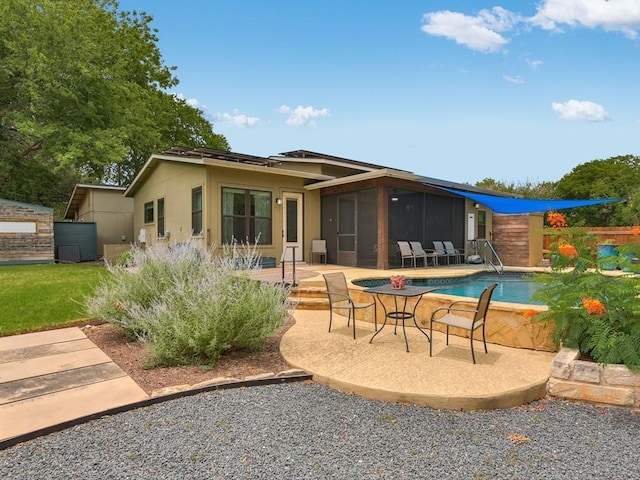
x=26 y=233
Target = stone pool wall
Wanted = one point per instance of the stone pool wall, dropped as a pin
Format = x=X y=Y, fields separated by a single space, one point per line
x=506 y=323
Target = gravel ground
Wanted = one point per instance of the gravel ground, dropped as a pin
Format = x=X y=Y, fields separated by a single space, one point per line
x=307 y=430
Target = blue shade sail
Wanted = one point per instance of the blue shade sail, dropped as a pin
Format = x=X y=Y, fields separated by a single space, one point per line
x=509 y=205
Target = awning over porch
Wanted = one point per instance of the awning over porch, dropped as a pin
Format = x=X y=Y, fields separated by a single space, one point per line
x=509 y=205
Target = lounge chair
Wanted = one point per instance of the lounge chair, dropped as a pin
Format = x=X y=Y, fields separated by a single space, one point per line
x=419 y=252
x=453 y=251
x=339 y=299
x=438 y=247
x=406 y=253
x=469 y=323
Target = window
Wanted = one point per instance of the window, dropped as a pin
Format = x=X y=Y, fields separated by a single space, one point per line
x=482 y=224
x=246 y=216
x=148 y=212
x=161 y=217
x=196 y=211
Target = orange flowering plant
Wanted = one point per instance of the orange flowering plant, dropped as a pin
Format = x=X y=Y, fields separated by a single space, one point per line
x=591 y=310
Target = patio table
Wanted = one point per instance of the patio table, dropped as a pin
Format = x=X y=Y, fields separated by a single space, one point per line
x=400 y=313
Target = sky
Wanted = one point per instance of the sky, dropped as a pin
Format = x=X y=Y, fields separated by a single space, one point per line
x=516 y=91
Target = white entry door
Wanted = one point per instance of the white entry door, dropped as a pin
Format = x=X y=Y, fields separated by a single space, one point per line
x=292 y=225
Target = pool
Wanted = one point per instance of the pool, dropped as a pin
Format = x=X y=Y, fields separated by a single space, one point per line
x=513 y=287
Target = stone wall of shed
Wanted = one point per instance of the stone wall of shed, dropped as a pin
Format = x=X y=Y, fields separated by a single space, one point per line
x=16 y=248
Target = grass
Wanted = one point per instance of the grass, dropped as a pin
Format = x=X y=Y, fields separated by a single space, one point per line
x=37 y=297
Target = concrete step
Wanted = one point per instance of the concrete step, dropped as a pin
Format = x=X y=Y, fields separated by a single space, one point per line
x=310 y=298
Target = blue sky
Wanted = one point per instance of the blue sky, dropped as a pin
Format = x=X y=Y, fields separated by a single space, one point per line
x=515 y=91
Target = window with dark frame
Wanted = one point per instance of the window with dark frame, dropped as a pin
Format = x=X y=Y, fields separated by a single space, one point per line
x=246 y=216
x=196 y=211
x=161 y=217
x=148 y=212
x=482 y=224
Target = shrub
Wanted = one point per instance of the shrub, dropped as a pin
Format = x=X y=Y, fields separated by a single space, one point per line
x=595 y=313
x=189 y=306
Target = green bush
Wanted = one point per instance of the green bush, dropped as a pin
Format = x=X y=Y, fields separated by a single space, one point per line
x=596 y=313
x=191 y=307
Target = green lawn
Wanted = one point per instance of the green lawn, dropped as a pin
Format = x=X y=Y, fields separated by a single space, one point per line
x=36 y=297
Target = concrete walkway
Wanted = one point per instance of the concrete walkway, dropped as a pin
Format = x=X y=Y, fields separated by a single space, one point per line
x=51 y=377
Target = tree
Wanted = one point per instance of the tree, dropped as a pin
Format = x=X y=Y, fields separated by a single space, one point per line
x=84 y=95
x=612 y=177
x=527 y=189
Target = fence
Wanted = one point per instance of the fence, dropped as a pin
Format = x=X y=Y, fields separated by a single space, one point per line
x=615 y=235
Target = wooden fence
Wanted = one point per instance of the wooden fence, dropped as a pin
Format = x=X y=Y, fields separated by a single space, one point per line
x=615 y=235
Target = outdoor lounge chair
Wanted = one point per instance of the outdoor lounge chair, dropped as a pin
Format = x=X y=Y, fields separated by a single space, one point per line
x=453 y=251
x=318 y=247
x=339 y=299
x=439 y=250
x=406 y=252
x=452 y=318
x=419 y=252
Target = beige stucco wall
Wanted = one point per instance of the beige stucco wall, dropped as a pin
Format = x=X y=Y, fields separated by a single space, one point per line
x=113 y=214
x=174 y=182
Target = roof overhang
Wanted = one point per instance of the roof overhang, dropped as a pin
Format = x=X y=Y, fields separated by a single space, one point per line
x=359 y=177
x=154 y=160
x=79 y=192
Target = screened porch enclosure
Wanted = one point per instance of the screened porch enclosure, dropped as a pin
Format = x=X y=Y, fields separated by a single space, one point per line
x=354 y=222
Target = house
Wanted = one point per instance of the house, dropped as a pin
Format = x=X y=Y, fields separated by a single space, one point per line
x=285 y=201
x=111 y=211
x=26 y=233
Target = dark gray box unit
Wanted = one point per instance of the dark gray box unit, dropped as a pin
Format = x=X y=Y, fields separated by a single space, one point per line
x=69 y=237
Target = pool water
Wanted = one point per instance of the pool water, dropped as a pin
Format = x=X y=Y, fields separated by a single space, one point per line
x=513 y=288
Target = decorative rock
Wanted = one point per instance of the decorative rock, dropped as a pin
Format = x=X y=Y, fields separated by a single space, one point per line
x=561 y=365
x=591 y=393
x=621 y=375
x=259 y=377
x=586 y=371
x=293 y=371
x=169 y=390
x=215 y=381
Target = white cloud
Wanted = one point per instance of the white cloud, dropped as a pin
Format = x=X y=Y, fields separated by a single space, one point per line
x=510 y=79
x=480 y=33
x=577 y=110
x=534 y=64
x=237 y=119
x=610 y=15
x=193 y=102
x=302 y=115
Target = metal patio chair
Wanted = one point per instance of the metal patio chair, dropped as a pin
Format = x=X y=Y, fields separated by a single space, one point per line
x=339 y=299
x=406 y=253
x=453 y=251
x=419 y=252
x=438 y=248
x=452 y=318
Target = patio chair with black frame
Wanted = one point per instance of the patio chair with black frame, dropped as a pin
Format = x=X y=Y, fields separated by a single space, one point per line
x=476 y=318
x=339 y=299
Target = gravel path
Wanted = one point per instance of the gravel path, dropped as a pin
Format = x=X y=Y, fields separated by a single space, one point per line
x=310 y=431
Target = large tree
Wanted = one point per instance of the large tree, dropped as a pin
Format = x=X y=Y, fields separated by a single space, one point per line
x=608 y=178
x=84 y=96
